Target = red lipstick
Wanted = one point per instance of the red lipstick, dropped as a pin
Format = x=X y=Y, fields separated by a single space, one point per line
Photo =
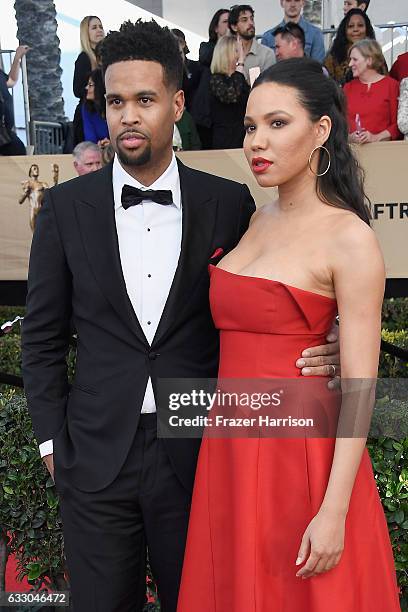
x=259 y=165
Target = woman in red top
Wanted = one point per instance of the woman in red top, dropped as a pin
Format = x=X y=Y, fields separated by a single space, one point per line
x=372 y=96
x=399 y=68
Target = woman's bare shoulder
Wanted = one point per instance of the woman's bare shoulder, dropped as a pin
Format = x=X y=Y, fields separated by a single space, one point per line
x=349 y=229
x=354 y=242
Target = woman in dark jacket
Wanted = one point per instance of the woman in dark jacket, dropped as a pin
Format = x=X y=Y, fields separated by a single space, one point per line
x=200 y=107
x=228 y=94
x=218 y=27
x=91 y=33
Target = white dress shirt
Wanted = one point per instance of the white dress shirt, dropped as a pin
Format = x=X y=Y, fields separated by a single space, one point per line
x=149 y=236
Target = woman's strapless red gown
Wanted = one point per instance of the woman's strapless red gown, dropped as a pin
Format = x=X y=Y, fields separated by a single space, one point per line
x=254 y=497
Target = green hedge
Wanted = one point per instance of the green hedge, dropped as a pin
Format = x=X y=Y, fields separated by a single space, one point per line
x=29 y=512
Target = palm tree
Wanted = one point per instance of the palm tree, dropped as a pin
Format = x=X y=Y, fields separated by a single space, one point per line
x=313 y=11
x=37 y=27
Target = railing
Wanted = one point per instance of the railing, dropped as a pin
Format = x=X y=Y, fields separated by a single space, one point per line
x=9 y=53
x=48 y=137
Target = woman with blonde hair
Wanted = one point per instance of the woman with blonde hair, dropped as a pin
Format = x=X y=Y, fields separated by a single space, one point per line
x=372 y=95
x=228 y=94
x=91 y=33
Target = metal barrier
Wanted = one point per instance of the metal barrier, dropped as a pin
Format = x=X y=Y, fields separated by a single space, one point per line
x=47 y=137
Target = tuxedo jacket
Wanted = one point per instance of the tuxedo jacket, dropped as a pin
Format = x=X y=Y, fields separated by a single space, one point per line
x=75 y=277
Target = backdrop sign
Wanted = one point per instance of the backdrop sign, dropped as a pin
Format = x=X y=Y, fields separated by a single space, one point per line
x=385 y=165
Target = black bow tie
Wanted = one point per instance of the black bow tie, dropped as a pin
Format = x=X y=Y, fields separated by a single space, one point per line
x=131 y=196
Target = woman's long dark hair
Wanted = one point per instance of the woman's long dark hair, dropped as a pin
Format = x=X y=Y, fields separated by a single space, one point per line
x=98 y=104
x=343 y=185
x=341 y=44
x=212 y=34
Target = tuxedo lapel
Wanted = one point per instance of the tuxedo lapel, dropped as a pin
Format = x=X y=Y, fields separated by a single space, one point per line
x=96 y=218
x=199 y=209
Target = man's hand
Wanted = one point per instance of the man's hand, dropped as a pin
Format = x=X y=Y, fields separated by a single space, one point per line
x=49 y=462
x=323 y=360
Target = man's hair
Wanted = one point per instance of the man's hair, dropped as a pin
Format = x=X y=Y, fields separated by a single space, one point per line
x=366 y=2
x=291 y=30
x=87 y=145
x=144 y=40
x=235 y=12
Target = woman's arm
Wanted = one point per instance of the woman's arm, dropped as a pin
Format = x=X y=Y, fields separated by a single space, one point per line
x=365 y=136
x=81 y=74
x=403 y=108
x=15 y=66
x=359 y=278
x=206 y=53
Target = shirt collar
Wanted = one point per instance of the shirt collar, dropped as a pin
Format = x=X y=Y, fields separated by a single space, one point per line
x=170 y=179
x=254 y=47
x=302 y=22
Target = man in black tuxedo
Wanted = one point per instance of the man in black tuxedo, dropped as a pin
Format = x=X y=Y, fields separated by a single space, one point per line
x=122 y=254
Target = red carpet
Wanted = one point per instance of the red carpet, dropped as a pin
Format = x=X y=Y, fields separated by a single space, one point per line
x=11 y=582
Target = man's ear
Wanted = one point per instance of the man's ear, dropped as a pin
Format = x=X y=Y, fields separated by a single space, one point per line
x=179 y=103
x=363 y=6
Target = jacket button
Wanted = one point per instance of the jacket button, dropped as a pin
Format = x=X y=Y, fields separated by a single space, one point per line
x=153 y=356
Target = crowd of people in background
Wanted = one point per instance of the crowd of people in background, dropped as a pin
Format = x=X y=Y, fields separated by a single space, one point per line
x=217 y=86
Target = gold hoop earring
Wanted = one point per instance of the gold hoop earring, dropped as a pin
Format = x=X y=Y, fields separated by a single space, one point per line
x=310 y=161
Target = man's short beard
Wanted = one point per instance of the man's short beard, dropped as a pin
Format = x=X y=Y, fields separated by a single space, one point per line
x=248 y=36
x=141 y=160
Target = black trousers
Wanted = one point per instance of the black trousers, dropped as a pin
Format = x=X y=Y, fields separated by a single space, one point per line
x=15 y=147
x=106 y=533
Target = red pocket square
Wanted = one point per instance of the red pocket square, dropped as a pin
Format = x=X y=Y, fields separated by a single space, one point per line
x=217 y=253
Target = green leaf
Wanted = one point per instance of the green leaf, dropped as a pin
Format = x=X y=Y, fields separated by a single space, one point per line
x=399 y=517
x=34 y=571
x=8 y=490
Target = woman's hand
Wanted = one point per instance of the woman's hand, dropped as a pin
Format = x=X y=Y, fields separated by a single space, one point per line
x=241 y=52
x=322 y=543
x=105 y=142
x=354 y=137
x=365 y=136
x=22 y=50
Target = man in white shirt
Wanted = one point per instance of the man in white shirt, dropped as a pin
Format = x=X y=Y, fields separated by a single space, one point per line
x=123 y=253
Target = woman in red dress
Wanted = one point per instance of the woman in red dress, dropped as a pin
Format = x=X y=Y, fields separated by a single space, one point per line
x=294 y=523
x=372 y=96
